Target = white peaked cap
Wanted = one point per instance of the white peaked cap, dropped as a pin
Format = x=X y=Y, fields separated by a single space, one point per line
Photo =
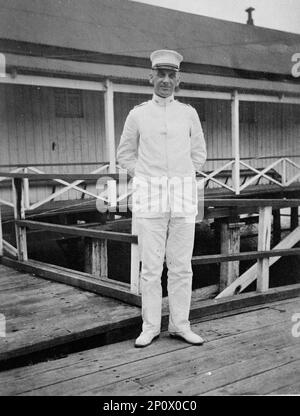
x=165 y=58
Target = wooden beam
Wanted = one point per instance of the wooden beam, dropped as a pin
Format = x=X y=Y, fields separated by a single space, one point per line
x=54 y=82
x=81 y=280
x=219 y=213
x=214 y=95
x=235 y=141
x=279 y=99
x=143 y=89
x=246 y=255
x=230 y=244
x=96 y=258
x=205 y=292
x=11 y=250
x=202 y=293
x=220 y=208
x=110 y=124
x=264 y=241
x=79 y=231
x=243 y=300
x=29 y=165
x=8 y=203
x=284 y=172
x=26 y=191
x=140 y=89
x=241 y=202
x=63 y=176
x=250 y=275
x=133 y=89
x=19 y=214
x=103 y=259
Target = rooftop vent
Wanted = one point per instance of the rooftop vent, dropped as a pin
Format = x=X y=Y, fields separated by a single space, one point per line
x=250 y=19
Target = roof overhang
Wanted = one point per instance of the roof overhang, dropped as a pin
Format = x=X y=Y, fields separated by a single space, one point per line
x=20 y=64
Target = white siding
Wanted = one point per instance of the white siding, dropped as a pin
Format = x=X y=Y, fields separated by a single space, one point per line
x=31 y=133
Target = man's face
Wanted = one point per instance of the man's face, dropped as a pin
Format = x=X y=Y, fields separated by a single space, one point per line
x=164 y=81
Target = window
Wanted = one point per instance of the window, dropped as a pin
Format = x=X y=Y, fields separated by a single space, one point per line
x=68 y=103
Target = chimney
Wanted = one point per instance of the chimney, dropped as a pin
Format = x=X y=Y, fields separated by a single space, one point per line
x=250 y=20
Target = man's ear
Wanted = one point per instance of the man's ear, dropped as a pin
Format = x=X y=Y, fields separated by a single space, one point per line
x=177 y=88
x=151 y=78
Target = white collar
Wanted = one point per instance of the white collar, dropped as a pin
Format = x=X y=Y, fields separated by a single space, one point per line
x=162 y=101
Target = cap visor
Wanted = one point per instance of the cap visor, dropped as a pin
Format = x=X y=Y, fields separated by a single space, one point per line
x=166 y=66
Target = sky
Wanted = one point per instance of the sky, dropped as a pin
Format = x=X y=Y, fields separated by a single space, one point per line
x=274 y=14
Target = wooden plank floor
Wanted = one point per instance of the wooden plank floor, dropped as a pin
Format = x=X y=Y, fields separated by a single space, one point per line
x=253 y=352
x=41 y=314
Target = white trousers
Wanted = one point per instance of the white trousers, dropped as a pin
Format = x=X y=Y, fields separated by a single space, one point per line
x=172 y=237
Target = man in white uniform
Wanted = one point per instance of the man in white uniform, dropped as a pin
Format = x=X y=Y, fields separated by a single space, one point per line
x=162 y=146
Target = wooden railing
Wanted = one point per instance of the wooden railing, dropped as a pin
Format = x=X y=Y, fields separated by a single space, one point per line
x=97 y=279
x=265 y=257
x=274 y=173
x=252 y=174
x=95 y=240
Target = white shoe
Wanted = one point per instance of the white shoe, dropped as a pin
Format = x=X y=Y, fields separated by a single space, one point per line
x=188 y=336
x=145 y=339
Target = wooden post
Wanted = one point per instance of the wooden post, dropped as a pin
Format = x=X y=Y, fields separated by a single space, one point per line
x=264 y=240
x=110 y=125
x=19 y=214
x=230 y=243
x=276 y=226
x=294 y=218
x=1 y=235
x=135 y=261
x=96 y=258
x=235 y=142
x=251 y=274
x=284 y=172
x=26 y=191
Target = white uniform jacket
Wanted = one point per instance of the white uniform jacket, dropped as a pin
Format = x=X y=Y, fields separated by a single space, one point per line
x=163 y=143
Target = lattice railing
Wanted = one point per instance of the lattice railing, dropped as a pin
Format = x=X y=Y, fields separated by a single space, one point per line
x=267 y=173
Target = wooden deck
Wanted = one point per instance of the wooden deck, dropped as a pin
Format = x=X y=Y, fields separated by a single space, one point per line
x=45 y=318
x=251 y=352
x=42 y=314
x=49 y=318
